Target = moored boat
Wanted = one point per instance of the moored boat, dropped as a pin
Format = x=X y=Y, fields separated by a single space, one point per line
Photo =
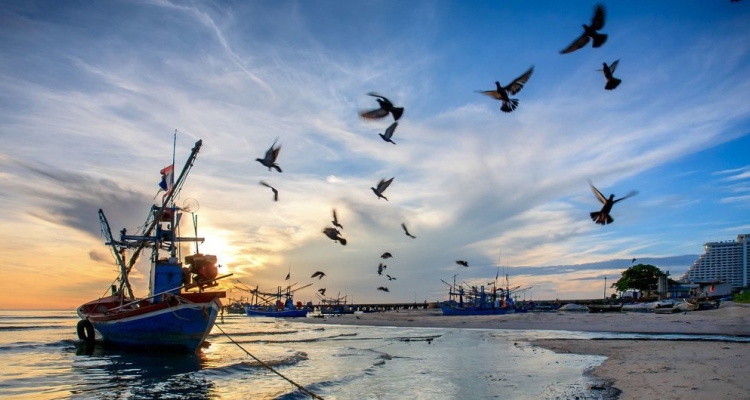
x=471 y=300
x=684 y=306
x=270 y=304
x=178 y=312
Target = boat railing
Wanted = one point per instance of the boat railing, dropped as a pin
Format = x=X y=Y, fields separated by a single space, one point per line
x=166 y=292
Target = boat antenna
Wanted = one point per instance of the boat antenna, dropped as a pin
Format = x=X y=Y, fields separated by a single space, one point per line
x=498 y=267
x=174 y=149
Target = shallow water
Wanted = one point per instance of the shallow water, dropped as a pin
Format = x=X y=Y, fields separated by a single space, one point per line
x=44 y=359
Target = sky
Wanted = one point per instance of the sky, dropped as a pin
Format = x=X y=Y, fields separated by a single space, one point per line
x=91 y=94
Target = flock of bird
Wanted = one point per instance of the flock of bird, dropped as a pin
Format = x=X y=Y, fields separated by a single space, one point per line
x=502 y=93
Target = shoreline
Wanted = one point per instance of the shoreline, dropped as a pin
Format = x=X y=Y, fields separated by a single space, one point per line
x=634 y=368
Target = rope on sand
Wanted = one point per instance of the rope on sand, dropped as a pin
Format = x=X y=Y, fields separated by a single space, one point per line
x=270 y=368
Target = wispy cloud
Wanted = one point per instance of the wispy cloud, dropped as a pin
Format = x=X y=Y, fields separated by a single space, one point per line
x=470 y=182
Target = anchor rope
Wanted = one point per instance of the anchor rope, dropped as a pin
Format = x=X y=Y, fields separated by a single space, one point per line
x=270 y=368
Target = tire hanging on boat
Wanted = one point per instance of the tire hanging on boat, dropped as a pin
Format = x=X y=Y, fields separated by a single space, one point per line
x=86 y=331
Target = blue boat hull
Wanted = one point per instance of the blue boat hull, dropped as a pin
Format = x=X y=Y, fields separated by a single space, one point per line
x=257 y=312
x=456 y=310
x=182 y=327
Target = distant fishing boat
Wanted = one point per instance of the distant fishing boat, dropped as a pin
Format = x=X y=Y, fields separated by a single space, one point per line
x=470 y=300
x=178 y=313
x=265 y=304
x=335 y=305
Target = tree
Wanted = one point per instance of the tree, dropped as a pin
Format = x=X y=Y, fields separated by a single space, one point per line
x=640 y=277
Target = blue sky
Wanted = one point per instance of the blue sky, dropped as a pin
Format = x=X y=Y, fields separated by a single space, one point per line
x=91 y=93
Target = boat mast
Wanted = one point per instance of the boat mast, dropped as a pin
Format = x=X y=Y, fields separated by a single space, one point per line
x=117 y=250
x=142 y=240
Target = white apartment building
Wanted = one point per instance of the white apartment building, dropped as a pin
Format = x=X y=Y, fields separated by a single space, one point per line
x=723 y=262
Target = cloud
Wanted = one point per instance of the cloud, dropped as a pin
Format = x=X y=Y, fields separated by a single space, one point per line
x=91 y=109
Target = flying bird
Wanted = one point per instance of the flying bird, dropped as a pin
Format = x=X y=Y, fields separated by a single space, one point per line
x=602 y=217
x=322 y=291
x=389 y=133
x=334 y=235
x=336 y=220
x=318 y=274
x=632 y=261
x=390 y=278
x=273 y=189
x=597 y=23
x=271 y=155
x=382 y=186
x=462 y=262
x=383 y=288
x=381 y=267
x=503 y=93
x=403 y=225
x=386 y=255
x=608 y=70
x=385 y=107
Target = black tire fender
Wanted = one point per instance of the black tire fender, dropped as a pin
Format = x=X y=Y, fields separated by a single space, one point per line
x=85 y=330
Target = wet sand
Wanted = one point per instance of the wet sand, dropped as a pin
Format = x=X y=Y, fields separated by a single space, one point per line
x=640 y=369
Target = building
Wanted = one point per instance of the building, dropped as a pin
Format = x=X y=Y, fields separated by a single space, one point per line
x=725 y=262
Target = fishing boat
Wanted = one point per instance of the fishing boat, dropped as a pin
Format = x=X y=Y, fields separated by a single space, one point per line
x=267 y=304
x=470 y=300
x=335 y=305
x=179 y=311
x=664 y=306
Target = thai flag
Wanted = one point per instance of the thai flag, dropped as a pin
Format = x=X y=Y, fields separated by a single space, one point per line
x=167 y=178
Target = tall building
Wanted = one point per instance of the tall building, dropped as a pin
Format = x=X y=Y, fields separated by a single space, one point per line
x=723 y=261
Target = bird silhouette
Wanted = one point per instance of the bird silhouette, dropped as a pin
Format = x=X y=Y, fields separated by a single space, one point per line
x=462 y=262
x=406 y=231
x=503 y=93
x=334 y=235
x=632 y=261
x=336 y=220
x=381 y=267
x=608 y=70
x=386 y=255
x=322 y=291
x=385 y=107
x=389 y=133
x=602 y=217
x=270 y=159
x=273 y=189
x=590 y=32
x=382 y=186
x=318 y=274
x=383 y=288
x=390 y=278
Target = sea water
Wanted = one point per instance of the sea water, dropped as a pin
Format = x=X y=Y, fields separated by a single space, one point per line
x=42 y=358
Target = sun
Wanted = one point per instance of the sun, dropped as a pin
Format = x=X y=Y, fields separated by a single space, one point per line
x=216 y=243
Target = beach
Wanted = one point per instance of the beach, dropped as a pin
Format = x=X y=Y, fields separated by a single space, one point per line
x=647 y=368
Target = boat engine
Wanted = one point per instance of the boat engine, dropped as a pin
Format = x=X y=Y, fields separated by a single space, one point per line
x=202 y=269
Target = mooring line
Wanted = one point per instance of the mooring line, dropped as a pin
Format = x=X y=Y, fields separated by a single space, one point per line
x=270 y=368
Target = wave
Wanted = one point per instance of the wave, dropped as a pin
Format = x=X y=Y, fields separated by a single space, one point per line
x=244 y=334
x=301 y=340
x=251 y=365
x=37 y=317
x=38 y=345
x=32 y=328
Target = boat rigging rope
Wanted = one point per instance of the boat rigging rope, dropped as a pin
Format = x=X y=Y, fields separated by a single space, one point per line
x=270 y=368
